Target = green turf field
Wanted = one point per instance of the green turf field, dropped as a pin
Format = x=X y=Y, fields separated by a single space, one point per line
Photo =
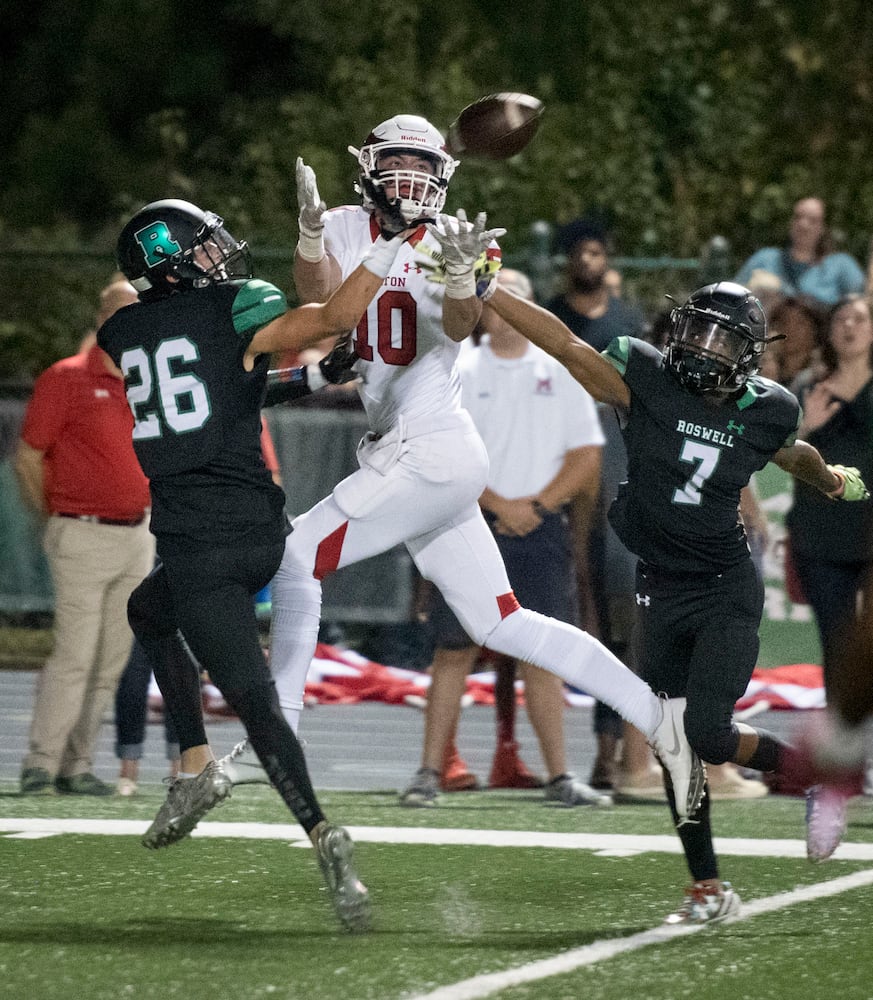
x=94 y=915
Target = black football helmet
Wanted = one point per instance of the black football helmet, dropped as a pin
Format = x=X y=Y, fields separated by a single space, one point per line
x=716 y=338
x=172 y=245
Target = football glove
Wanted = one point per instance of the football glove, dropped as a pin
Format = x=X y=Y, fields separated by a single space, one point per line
x=485 y=269
x=461 y=244
x=310 y=244
x=336 y=367
x=853 y=487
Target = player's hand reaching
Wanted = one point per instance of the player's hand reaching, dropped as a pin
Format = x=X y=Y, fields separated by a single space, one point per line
x=336 y=367
x=852 y=485
x=310 y=210
x=461 y=245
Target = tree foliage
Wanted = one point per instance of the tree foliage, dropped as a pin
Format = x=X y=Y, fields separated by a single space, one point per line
x=677 y=120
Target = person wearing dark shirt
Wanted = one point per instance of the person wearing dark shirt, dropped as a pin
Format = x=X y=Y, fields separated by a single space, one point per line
x=590 y=308
x=697 y=422
x=195 y=353
x=587 y=305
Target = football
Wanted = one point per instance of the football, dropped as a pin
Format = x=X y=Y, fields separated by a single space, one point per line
x=496 y=127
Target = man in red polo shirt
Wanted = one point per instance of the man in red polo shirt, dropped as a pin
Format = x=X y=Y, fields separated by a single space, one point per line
x=76 y=467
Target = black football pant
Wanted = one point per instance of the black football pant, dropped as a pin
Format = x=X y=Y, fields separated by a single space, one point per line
x=697 y=638
x=200 y=602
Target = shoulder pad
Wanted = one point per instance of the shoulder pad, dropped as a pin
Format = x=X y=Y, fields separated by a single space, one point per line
x=256 y=304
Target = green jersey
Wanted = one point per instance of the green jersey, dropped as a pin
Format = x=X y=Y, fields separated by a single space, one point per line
x=689 y=456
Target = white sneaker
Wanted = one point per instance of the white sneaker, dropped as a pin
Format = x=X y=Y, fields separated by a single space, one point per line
x=242 y=766
x=567 y=790
x=685 y=768
x=125 y=787
x=825 y=821
x=702 y=905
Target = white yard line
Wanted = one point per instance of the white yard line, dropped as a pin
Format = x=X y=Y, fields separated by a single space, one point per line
x=489 y=984
x=605 y=844
x=617 y=844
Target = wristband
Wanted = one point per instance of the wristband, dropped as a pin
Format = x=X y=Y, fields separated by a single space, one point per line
x=379 y=259
x=461 y=286
x=310 y=246
x=314 y=378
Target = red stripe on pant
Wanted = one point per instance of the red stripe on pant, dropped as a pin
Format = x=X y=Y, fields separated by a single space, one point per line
x=507 y=603
x=328 y=555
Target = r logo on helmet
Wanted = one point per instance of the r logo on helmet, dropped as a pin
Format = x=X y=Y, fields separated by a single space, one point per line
x=156 y=242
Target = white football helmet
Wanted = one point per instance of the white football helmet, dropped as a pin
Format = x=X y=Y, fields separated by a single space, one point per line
x=404 y=196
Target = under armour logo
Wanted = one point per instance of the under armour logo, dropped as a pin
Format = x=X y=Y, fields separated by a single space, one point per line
x=407 y=267
x=544 y=387
x=643 y=599
x=736 y=428
x=101 y=393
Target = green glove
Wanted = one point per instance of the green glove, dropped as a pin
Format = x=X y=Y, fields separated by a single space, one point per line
x=853 y=484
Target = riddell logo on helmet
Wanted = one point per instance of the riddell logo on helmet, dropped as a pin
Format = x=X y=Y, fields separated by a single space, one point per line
x=413 y=138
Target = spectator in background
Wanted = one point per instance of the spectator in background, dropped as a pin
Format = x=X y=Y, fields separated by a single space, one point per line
x=832 y=545
x=833 y=558
x=808 y=264
x=543 y=440
x=588 y=305
x=77 y=469
x=590 y=308
x=800 y=320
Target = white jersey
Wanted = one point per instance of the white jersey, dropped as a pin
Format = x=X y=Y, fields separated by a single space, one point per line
x=530 y=412
x=406 y=361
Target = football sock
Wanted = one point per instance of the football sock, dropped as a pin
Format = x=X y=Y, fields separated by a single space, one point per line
x=278 y=750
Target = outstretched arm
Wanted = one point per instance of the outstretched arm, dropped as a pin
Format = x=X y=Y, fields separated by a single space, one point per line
x=545 y=330
x=302 y=327
x=462 y=243
x=316 y=273
x=804 y=462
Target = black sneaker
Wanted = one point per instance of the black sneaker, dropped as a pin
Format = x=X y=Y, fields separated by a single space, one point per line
x=37 y=781
x=82 y=784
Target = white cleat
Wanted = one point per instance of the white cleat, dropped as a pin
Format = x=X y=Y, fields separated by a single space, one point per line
x=825 y=821
x=686 y=770
x=706 y=905
x=242 y=766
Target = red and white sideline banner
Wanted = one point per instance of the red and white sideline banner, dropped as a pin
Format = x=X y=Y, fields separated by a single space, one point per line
x=344 y=677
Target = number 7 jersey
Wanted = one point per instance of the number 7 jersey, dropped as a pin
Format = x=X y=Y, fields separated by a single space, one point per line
x=688 y=458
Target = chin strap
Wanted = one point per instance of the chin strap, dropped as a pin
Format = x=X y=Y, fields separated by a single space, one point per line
x=388 y=214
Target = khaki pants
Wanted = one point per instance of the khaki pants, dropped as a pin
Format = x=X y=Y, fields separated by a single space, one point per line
x=94 y=568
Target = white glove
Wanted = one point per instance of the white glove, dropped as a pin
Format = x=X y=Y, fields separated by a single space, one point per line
x=310 y=244
x=379 y=259
x=461 y=245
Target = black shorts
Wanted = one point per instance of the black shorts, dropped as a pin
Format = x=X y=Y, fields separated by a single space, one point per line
x=207 y=594
x=697 y=634
x=541 y=573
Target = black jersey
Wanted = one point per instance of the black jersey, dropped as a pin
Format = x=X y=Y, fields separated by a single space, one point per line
x=688 y=458
x=197 y=411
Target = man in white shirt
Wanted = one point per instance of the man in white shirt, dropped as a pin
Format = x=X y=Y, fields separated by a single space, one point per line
x=543 y=439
